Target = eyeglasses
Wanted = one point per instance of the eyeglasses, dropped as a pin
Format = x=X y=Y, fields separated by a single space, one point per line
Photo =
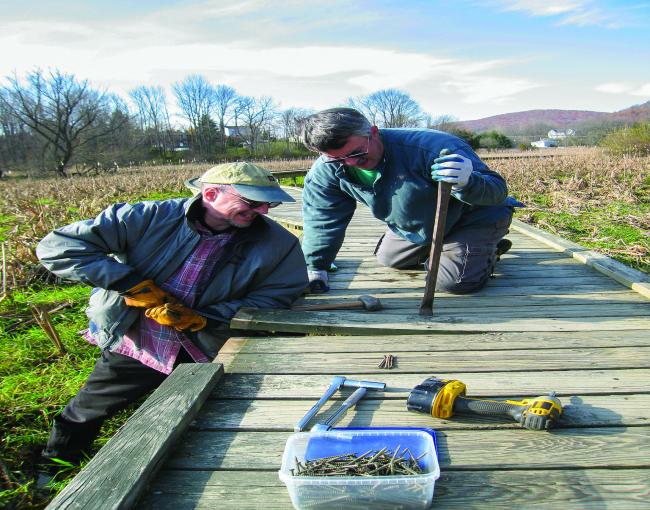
x=252 y=204
x=355 y=155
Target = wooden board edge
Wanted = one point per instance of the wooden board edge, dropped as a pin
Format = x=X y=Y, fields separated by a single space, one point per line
x=134 y=463
x=635 y=280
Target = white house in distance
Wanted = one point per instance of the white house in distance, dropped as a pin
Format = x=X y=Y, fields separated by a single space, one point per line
x=544 y=143
x=553 y=137
x=237 y=131
x=561 y=135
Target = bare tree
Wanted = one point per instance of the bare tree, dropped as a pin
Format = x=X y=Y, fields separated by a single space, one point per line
x=118 y=147
x=225 y=99
x=441 y=122
x=16 y=140
x=152 y=113
x=389 y=108
x=256 y=115
x=290 y=120
x=196 y=98
x=64 y=112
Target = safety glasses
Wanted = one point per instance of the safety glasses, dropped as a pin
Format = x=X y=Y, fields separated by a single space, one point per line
x=354 y=156
x=252 y=204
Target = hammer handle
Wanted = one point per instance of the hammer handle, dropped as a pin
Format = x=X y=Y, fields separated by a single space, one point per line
x=346 y=305
x=316 y=407
x=349 y=402
x=444 y=193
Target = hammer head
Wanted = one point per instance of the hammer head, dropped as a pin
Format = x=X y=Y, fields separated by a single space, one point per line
x=370 y=303
x=339 y=381
x=369 y=385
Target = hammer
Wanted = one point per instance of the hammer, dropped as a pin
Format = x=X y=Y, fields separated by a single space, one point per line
x=337 y=383
x=365 y=301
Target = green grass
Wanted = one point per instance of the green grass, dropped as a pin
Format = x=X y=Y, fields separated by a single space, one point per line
x=298 y=181
x=159 y=196
x=35 y=382
x=7 y=222
x=607 y=228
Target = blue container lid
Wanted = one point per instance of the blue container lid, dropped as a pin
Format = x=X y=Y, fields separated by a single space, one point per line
x=320 y=446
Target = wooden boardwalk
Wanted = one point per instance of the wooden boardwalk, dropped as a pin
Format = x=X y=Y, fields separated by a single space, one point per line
x=546 y=322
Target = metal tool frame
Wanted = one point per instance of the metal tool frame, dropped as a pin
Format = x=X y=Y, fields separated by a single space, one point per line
x=337 y=383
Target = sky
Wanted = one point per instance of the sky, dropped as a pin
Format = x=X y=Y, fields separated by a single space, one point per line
x=467 y=59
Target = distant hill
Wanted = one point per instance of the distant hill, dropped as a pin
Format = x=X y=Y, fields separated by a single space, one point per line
x=513 y=122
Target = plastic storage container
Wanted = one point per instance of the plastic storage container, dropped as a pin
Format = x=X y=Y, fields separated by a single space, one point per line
x=359 y=492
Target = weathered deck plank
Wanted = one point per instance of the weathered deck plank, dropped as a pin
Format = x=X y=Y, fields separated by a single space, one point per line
x=364 y=323
x=449 y=361
x=441 y=342
x=576 y=489
x=494 y=384
x=115 y=477
x=278 y=415
x=493 y=449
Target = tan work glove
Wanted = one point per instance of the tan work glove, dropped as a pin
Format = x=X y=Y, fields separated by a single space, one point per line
x=177 y=316
x=147 y=294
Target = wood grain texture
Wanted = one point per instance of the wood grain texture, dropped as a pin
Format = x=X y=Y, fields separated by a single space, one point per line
x=494 y=449
x=375 y=411
x=576 y=489
x=434 y=343
x=116 y=476
x=364 y=323
x=492 y=384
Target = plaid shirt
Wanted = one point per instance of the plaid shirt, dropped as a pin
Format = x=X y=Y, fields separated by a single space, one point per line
x=155 y=345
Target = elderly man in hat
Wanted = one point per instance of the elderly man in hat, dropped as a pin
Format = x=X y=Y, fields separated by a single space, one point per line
x=168 y=276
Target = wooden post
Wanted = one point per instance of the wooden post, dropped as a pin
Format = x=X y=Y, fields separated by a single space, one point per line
x=4 y=272
x=42 y=318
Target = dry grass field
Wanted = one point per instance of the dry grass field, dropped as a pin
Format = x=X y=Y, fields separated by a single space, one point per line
x=583 y=194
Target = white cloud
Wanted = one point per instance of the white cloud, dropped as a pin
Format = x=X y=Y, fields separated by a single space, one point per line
x=129 y=56
x=179 y=15
x=488 y=88
x=591 y=17
x=614 y=88
x=625 y=88
x=577 y=13
x=541 y=7
x=643 y=91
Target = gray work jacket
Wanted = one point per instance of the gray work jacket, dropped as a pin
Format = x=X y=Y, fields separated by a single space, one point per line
x=263 y=265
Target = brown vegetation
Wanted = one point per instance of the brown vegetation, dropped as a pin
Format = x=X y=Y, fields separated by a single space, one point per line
x=571 y=182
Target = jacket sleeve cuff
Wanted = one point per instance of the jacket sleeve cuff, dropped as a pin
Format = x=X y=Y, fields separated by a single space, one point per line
x=214 y=323
x=126 y=283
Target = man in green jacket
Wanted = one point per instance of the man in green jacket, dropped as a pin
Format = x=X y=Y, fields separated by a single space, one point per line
x=168 y=277
x=394 y=172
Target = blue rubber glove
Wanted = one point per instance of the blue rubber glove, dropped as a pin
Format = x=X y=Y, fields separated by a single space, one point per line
x=318 y=281
x=452 y=168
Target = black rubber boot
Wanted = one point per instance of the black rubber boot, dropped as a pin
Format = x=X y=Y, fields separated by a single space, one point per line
x=502 y=247
x=69 y=441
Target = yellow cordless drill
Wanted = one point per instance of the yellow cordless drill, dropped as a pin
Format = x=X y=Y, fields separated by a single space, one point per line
x=441 y=398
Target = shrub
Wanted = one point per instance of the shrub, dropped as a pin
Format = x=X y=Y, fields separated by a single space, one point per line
x=494 y=140
x=629 y=141
x=472 y=139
